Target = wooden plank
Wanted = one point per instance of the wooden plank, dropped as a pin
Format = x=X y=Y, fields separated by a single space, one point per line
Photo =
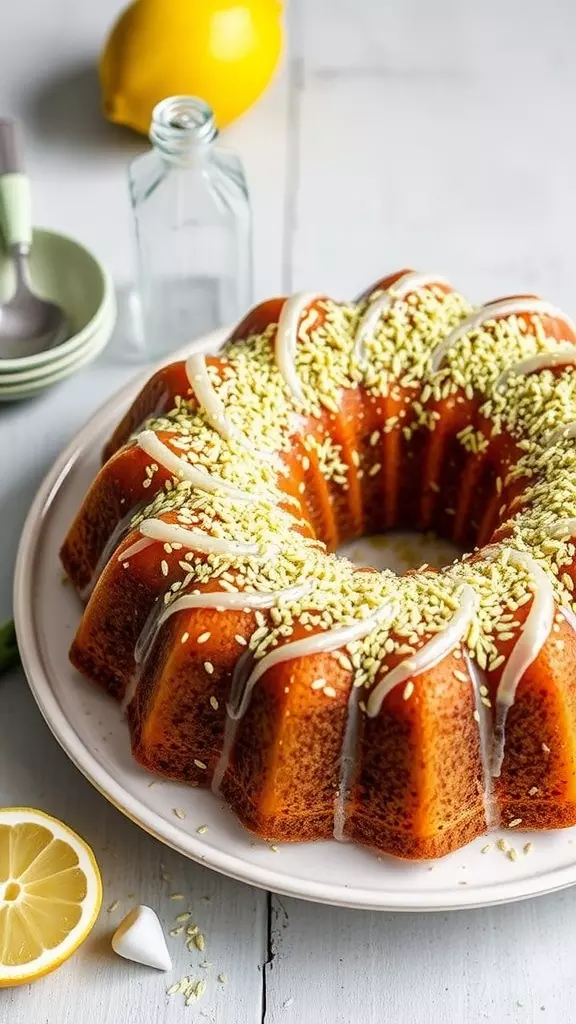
x=497 y=38
x=441 y=161
x=96 y=984
x=511 y=963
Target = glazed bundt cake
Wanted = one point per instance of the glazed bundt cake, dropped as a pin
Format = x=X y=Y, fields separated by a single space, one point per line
x=409 y=713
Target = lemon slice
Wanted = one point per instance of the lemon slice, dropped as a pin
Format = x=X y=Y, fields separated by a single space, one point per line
x=50 y=894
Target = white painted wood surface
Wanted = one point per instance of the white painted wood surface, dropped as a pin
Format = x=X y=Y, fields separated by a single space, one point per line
x=437 y=135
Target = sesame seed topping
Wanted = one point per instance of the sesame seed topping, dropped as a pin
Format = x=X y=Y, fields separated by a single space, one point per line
x=399 y=368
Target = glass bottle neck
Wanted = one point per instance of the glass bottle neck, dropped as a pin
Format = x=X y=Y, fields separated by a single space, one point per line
x=183 y=129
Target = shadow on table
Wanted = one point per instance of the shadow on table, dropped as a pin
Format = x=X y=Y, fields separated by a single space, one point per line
x=64 y=112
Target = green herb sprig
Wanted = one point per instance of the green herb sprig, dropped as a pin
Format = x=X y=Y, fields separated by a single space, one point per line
x=9 y=656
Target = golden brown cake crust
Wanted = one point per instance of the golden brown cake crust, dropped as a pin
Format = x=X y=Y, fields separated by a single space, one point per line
x=322 y=422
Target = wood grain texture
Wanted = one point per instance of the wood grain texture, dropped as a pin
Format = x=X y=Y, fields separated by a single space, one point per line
x=511 y=963
x=437 y=136
x=97 y=985
x=434 y=136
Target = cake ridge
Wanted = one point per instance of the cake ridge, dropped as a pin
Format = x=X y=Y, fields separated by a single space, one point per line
x=409 y=358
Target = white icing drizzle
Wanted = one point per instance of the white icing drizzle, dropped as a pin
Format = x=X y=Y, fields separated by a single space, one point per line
x=135 y=549
x=171 y=533
x=541 y=361
x=409 y=282
x=219 y=599
x=230 y=730
x=532 y=638
x=347 y=764
x=492 y=311
x=478 y=678
x=240 y=599
x=183 y=470
x=562 y=529
x=568 y=615
x=131 y=689
x=319 y=643
x=430 y=654
x=203 y=388
x=287 y=338
x=118 y=533
x=535 y=632
x=199 y=378
x=564 y=433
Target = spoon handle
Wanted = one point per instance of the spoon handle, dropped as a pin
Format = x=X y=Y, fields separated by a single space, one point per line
x=15 y=203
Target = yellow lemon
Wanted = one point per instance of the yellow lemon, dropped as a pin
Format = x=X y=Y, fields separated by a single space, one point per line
x=224 y=51
x=50 y=894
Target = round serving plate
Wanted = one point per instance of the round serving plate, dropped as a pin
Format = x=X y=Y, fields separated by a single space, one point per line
x=90 y=727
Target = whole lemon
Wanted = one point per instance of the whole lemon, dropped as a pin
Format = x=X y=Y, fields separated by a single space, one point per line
x=224 y=51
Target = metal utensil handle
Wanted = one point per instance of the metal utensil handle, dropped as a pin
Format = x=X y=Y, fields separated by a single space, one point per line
x=15 y=203
x=11 y=156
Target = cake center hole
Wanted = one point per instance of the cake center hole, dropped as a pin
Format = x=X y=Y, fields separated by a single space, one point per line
x=11 y=892
x=400 y=551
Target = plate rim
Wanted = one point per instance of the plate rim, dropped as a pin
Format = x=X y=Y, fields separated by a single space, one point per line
x=456 y=898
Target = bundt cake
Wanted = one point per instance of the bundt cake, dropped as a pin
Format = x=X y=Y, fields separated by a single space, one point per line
x=410 y=713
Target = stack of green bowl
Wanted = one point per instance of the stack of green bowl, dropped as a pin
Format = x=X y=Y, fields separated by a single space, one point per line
x=67 y=273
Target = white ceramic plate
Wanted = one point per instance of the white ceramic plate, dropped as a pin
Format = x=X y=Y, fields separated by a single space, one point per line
x=90 y=728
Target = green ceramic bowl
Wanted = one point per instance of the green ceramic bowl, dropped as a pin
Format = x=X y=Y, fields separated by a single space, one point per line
x=14 y=392
x=92 y=347
x=66 y=272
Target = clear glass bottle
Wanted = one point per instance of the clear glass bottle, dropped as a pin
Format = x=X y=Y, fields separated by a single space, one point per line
x=193 y=229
